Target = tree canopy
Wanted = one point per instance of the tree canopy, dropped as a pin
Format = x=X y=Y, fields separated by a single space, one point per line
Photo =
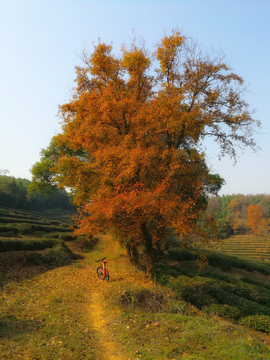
x=133 y=134
x=14 y=193
x=240 y=214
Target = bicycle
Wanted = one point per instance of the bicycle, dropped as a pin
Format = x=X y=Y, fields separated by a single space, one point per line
x=102 y=271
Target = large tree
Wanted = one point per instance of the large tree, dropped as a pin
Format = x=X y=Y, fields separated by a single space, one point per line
x=139 y=120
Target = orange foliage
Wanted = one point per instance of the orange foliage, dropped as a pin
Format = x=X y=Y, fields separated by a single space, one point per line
x=142 y=173
x=256 y=220
x=237 y=218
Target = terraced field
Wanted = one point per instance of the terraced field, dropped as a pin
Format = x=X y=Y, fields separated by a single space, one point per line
x=16 y=223
x=255 y=247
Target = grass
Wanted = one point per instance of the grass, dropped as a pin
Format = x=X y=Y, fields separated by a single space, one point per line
x=44 y=317
x=189 y=333
x=48 y=313
x=159 y=336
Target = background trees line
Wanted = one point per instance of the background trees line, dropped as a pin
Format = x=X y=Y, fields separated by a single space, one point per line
x=239 y=213
x=14 y=193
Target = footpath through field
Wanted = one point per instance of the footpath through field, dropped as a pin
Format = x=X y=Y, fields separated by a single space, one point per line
x=66 y=313
x=99 y=313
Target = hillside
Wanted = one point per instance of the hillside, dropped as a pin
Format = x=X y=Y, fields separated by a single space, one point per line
x=250 y=246
x=67 y=312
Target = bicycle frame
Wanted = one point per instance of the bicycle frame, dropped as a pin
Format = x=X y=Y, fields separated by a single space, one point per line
x=102 y=270
x=104 y=262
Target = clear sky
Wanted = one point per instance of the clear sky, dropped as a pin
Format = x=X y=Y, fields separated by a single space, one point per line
x=41 y=40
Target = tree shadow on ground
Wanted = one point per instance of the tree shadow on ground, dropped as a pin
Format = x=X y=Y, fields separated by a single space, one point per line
x=12 y=328
x=18 y=265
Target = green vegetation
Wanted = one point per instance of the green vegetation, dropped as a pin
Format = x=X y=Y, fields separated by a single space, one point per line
x=14 y=193
x=250 y=246
x=257 y=322
x=219 y=259
x=192 y=310
x=232 y=214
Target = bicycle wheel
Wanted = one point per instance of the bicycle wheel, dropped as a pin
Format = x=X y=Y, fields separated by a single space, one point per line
x=100 y=272
x=107 y=275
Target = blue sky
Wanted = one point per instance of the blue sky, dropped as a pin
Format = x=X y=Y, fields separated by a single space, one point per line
x=40 y=43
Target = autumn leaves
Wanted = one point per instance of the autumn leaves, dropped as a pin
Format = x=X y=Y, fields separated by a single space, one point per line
x=134 y=163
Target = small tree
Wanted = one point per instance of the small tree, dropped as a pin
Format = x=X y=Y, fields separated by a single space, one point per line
x=143 y=174
x=256 y=220
x=237 y=217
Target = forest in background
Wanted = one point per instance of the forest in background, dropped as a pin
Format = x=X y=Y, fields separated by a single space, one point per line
x=236 y=214
x=14 y=193
x=239 y=214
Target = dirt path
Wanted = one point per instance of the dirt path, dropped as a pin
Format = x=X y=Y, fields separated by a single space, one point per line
x=100 y=316
x=108 y=348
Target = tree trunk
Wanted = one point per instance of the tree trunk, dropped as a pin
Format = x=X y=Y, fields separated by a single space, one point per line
x=150 y=250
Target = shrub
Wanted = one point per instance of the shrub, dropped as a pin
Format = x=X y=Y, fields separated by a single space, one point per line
x=25 y=245
x=24 y=229
x=64 y=225
x=84 y=244
x=201 y=292
x=7 y=228
x=226 y=262
x=255 y=282
x=257 y=322
x=59 y=255
x=145 y=299
x=161 y=273
x=181 y=254
x=66 y=237
x=54 y=222
x=230 y=312
x=4 y=211
x=51 y=236
x=191 y=291
x=217 y=259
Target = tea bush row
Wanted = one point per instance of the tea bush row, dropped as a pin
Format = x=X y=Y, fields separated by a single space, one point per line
x=62 y=236
x=5 y=220
x=8 y=215
x=225 y=262
x=58 y=255
x=256 y=282
x=253 y=290
x=229 y=312
x=202 y=292
x=26 y=245
x=26 y=229
x=8 y=228
x=257 y=322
